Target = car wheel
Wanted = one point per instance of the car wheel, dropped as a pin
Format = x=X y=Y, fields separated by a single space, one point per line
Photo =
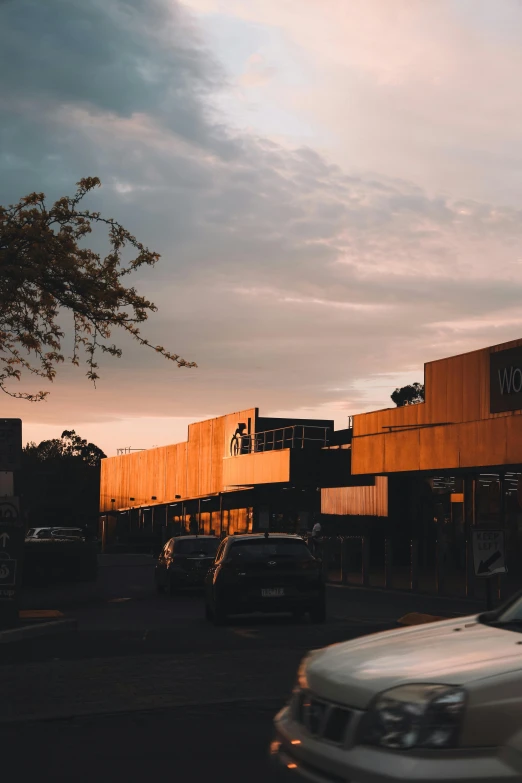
x=318 y=612
x=219 y=613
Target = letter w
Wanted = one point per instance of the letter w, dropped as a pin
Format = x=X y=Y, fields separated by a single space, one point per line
x=505 y=380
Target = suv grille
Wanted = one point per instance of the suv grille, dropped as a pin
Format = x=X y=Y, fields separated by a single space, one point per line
x=322 y=719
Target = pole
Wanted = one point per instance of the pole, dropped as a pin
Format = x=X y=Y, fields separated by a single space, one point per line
x=414 y=566
x=388 y=565
x=469 y=509
x=220 y=514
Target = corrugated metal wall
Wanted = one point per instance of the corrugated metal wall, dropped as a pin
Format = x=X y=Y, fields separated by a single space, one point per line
x=358 y=501
x=188 y=469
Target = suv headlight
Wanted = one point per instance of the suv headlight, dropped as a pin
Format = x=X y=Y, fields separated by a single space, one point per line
x=414 y=716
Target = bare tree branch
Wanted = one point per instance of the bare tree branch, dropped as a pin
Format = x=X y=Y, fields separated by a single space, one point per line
x=44 y=270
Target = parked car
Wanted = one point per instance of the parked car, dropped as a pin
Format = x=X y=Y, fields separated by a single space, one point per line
x=438 y=703
x=184 y=562
x=54 y=554
x=256 y=572
x=49 y=533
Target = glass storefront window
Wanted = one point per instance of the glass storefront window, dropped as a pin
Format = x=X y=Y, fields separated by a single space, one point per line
x=487 y=500
x=513 y=501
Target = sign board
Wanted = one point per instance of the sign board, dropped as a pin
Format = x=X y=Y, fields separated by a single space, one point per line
x=505 y=380
x=12 y=535
x=10 y=444
x=488 y=552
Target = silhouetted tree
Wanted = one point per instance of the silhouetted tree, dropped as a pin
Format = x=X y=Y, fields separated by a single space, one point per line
x=69 y=446
x=61 y=481
x=45 y=269
x=408 y=395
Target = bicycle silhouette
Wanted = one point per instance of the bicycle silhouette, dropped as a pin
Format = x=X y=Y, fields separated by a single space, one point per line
x=240 y=443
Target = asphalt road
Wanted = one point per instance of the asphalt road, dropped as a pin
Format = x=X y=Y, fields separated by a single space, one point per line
x=148 y=688
x=226 y=743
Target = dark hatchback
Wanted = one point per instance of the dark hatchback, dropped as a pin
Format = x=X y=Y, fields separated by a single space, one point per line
x=255 y=573
x=184 y=562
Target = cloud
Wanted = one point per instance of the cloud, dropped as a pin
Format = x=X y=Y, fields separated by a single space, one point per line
x=257 y=73
x=291 y=280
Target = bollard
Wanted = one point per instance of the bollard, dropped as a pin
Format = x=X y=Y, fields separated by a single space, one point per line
x=365 y=561
x=388 y=564
x=414 y=566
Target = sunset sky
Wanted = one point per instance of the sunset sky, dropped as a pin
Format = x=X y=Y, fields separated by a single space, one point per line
x=335 y=188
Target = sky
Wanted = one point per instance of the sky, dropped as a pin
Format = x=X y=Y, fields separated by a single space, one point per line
x=334 y=186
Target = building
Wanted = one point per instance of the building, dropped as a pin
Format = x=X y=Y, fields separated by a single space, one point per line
x=420 y=477
x=440 y=469
x=234 y=474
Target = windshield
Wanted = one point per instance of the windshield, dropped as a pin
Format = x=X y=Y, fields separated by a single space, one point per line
x=262 y=549
x=513 y=614
x=196 y=546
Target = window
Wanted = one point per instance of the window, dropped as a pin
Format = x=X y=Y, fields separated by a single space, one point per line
x=261 y=549
x=196 y=546
x=45 y=533
x=72 y=532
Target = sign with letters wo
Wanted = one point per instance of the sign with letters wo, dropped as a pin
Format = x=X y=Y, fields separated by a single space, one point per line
x=505 y=380
x=488 y=552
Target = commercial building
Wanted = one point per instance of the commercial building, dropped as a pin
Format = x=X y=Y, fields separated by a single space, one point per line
x=234 y=474
x=428 y=473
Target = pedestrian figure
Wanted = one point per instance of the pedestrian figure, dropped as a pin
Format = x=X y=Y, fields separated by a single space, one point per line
x=316 y=538
x=193 y=526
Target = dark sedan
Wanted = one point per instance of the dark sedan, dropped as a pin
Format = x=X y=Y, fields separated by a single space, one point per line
x=184 y=562
x=256 y=573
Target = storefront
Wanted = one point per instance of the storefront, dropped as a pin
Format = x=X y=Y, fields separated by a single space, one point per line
x=413 y=482
x=452 y=464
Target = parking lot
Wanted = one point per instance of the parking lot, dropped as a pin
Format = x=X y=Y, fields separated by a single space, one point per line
x=146 y=686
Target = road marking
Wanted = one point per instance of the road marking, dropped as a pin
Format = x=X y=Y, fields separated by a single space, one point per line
x=35 y=614
x=118 y=600
x=248 y=633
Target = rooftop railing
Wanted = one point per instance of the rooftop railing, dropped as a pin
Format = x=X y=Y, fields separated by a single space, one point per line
x=296 y=436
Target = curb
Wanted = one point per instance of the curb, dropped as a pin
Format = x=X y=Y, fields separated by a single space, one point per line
x=266 y=705
x=408 y=593
x=40 y=629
